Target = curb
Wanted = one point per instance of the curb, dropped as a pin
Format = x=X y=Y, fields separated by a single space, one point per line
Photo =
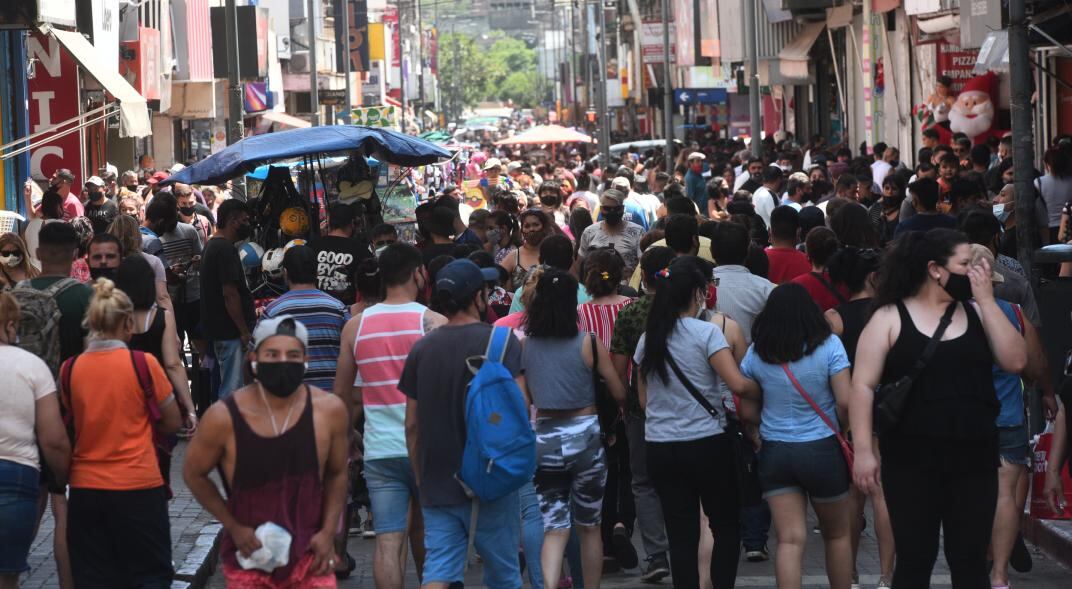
x=1054 y=537
x=200 y=562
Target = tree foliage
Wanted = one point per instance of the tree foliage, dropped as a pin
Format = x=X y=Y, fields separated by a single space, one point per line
x=502 y=68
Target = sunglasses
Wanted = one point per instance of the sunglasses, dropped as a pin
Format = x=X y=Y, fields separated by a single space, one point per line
x=9 y=253
x=613 y=209
x=383 y=242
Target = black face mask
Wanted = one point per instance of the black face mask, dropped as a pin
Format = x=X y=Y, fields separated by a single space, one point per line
x=549 y=200
x=958 y=286
x=132 y=187
x=280 y=379
x=96 y=196
x=614 y=219
x=244 y=232
x=187 y=211
x=108 y=273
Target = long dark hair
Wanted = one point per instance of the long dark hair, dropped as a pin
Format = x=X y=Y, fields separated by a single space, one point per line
x=553 y=312
x=674 y=291
x=852 y=265
x=790 y=326
x=904 y=267
x=852 y=226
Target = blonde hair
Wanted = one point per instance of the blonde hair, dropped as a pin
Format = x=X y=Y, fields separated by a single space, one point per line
x=9 y=309
x=125 y=229
x=24 y=265
x=528 y=293
x=108 y=308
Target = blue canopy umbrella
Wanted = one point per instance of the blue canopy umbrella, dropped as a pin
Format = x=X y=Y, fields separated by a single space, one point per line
x=246 y=155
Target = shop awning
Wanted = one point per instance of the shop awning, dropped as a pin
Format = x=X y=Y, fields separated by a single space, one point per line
x=793 y=58
x=284 y=119
x=133 y=110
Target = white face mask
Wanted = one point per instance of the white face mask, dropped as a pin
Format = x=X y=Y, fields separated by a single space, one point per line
x=11 y=261
x=701 y=305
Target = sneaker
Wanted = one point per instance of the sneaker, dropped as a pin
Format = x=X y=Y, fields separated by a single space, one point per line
x=622 y=548
x=367 y=531
x=657 y=570
x=1020 y=559
x=855 y=581
x=884 y=583
x=756 y=554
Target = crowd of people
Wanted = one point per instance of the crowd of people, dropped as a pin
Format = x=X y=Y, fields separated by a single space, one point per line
x=707 y=346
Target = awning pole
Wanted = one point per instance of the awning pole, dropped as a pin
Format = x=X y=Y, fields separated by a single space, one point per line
x=54 y=137
x=56 y=126
x=1050 y=39
x=837 y=71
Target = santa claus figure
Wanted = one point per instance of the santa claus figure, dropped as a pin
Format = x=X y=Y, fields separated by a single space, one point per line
x=974 y=110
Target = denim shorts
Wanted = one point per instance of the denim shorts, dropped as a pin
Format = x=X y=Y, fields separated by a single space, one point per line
x=446 y=540
x=571 y=471
x=19 y=488
x=391 y=486
x=1012 y=445
x=816 y=469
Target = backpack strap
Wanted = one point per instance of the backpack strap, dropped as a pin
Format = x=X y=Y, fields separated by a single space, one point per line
x=57 y=288
x=65 y=394
x=497 y=342
x=145 y=381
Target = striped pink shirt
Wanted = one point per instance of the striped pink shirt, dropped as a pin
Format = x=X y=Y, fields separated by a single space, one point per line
x=599 y=319
x=384 y=338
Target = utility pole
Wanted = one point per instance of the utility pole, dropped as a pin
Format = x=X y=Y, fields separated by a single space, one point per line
x=314 y=91
x=1023 y=137
x=604 y=114
x=235 y=130
x=348 y=105
x=420 y=66
x=668 y=90
x=753 y=64
x=575 y=117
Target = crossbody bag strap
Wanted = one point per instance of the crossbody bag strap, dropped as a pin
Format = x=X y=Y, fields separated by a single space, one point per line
x=702 y=400
x=803 y=393
x=830 y=287
x=932 y=345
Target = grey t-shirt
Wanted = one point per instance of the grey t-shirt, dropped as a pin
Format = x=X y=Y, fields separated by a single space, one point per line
x=672 y=414
x=436 y=375
x=626 y=243
x=181 y=244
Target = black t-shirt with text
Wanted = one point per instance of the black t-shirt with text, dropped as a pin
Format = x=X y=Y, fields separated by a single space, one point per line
x=101 y=215
x=337 y=259
x=220 y=265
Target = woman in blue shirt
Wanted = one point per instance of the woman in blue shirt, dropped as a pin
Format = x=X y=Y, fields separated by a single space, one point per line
x=801 y=457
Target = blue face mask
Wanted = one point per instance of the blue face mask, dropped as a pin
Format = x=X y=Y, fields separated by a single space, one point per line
x=1002 y=212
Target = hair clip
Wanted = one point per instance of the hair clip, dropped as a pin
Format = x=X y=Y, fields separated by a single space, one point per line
x=604 y=275
x=554 y=280
x=664 y=273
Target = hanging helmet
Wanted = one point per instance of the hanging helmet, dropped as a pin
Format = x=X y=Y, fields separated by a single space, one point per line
x=294 y=222
x=273 y=262
x=250 y=254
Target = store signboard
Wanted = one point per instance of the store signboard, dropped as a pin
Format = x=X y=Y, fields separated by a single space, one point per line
x=53 y=99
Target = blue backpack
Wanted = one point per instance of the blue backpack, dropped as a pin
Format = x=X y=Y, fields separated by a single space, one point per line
x=500 y=446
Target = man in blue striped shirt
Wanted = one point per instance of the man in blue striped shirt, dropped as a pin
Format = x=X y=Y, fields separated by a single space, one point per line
x=322 y=314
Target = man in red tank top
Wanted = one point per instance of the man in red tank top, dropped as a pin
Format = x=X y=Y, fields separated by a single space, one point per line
x=281 y=449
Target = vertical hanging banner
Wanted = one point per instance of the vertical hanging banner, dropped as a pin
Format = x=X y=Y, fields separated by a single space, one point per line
x=353 y=43
x=53 y=99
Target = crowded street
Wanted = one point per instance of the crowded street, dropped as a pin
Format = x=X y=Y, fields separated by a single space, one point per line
x=300 y=294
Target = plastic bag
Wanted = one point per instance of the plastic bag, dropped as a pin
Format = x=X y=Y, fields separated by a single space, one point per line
x=274 y=551
x=1039 y=508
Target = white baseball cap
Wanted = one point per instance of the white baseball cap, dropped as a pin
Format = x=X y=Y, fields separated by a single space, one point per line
x=697 y=155
x=96 y=181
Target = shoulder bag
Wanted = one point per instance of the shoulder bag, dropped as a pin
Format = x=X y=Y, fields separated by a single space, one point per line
x=745 y=464
x=890 y=398
x=846 y=448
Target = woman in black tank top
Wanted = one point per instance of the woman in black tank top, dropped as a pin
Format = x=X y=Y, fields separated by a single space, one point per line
x=154 y=330
x=857 y=269
x=939 y=465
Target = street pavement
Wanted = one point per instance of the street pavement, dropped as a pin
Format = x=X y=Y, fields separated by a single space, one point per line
x=192 y=530
x=1047 y=573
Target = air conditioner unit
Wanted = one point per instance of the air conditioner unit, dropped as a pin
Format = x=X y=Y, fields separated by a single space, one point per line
x=299 y=62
